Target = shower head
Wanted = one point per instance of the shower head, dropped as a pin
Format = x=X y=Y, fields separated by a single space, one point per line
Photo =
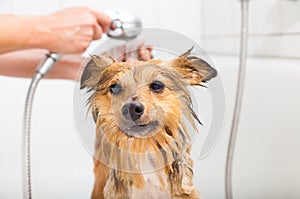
x=124 y=26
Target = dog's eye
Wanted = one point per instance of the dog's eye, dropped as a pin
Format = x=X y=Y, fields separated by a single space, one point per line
x=115 y=88
x=157 y=86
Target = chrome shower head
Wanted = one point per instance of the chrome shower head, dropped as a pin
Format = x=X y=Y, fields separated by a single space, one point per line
x=124 y=26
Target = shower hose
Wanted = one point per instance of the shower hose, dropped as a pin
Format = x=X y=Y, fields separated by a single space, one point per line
x=238 y=99
x=42 y=70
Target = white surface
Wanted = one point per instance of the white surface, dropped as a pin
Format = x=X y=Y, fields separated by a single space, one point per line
x=267 y=153
x=274 y=27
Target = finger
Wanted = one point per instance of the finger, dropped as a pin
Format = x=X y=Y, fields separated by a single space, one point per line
x=103 y=19
x=97 y=32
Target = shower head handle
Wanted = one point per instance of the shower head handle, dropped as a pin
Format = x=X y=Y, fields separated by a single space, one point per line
x=47 y=64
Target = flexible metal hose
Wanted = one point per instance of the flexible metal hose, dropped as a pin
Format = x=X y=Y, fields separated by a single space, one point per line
x=238 y=98
x=41 y=71
x=26 y=173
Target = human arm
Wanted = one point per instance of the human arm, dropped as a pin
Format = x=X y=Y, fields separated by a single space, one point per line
x=66 y=31
x=24 y=62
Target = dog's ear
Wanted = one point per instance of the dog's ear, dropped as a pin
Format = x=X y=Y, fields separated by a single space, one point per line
x=193 y=69
x=93 y=70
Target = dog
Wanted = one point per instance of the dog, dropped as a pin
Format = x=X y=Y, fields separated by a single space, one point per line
x=142 y=146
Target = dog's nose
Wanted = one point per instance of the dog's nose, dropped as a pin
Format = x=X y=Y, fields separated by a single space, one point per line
x=133 y=109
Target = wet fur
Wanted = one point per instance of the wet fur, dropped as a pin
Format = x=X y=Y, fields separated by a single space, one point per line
x=156 y=166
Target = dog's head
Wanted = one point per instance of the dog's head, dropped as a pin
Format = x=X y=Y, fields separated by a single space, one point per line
x=139 y=105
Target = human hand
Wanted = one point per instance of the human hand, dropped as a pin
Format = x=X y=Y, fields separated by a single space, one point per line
x=125 y=53
x=70 y=30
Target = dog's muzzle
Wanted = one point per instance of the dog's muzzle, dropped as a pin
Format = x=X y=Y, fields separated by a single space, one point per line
x=133 y=110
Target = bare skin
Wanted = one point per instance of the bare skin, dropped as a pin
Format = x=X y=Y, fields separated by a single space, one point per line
x=67 y=31
x=24 y=62
x=24 y=40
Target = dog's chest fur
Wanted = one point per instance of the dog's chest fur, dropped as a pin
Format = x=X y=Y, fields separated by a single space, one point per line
x=156 y=187
x=155 y=184
x=169 y=182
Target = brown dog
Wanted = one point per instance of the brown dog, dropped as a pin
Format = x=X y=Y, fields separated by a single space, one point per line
x=142 y=145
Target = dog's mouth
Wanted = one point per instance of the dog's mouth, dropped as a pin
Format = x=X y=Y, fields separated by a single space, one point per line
x=141 y=130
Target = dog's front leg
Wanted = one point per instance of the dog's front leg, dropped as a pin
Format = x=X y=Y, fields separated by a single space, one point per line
x=101 y=173
x=182 y=179
x=115 y=188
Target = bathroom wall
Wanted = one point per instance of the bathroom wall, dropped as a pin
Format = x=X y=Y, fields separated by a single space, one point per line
x=274 y=27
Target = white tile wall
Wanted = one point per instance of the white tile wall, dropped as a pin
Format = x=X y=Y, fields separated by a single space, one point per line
x=220 y=17
x=35 y=7
x=97 y=5
x=265 y=16
x=268 y=16
x=146 y=10
x=283 y=46
x=290 y=16
x=180 y=16
x=286 y=46
x=6 y=7
x=274 y=27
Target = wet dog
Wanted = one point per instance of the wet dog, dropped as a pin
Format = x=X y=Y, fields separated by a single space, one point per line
x=142 y=146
